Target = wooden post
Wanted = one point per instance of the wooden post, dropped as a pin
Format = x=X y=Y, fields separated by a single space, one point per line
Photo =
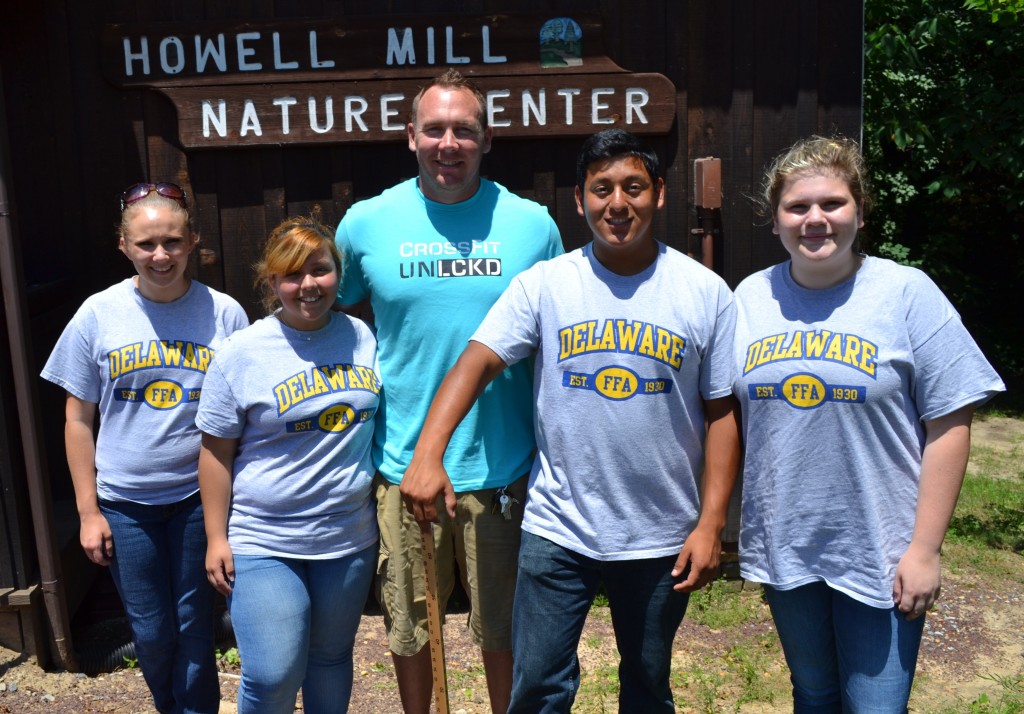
x=21 y=623
x=436 y=643
x=707 y=196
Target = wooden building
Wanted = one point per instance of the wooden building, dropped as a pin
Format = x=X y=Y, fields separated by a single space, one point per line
x=96 y=96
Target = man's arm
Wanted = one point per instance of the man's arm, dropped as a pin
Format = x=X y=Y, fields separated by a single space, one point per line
x=426 y=478
x=703 y=548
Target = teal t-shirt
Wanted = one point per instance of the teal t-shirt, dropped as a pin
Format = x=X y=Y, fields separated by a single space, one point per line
x=432 y=271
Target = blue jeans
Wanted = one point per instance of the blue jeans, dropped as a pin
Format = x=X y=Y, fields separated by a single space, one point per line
x=554 y=592
x=159 y=569
x=295 y=622
x=843 y=655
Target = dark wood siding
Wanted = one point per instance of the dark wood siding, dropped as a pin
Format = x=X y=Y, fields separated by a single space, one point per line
x=751 y=77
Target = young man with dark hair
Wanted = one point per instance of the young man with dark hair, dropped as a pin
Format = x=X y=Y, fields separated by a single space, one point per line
x=636 y=429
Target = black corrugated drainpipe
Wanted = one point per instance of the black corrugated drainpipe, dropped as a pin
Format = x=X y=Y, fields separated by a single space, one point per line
x=54 y=596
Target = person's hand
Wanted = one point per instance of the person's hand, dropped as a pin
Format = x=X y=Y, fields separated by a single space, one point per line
x=220 y=566
x=97 y=541
x=918 y=581
x=698 y=561
x=421 y=487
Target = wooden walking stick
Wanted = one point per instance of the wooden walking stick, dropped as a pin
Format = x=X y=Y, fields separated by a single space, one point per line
x=437 y=665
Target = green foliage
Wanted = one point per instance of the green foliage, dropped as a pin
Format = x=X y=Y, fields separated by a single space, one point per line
x=1001 y=11
x=944 y=138
x=943 y=93
x=897 y=252
x=229 y=657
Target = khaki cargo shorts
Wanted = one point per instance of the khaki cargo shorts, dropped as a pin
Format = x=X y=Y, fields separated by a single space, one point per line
x=480 y=539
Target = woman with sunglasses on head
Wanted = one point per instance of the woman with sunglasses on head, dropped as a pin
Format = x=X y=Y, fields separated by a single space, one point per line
x=136 y=354
x=285 y=471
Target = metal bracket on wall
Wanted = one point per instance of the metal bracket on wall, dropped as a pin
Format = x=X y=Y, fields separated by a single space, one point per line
x=707 y=197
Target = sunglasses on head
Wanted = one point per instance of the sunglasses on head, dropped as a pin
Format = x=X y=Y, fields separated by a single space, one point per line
x=139 y=191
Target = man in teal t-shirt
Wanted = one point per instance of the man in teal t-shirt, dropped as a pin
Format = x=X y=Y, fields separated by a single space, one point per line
x=433 y=254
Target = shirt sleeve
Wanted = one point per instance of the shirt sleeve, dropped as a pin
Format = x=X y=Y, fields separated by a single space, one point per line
x=717 y=363
x=72 y=364
x=236 y=319
x=949 y=371
x=512 y=325
x=219 y=413
x=352 y=288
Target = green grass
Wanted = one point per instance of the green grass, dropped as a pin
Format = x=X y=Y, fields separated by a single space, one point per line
x=747 y=669
x=751 y=672
x=986 y=534
x=1006 y=698
x=466 y=678
x=1002 y=406
x=990 y=512
x=996 y=463
x=756 y=666
x=742 y=668
x=978 y=563
x=599 y=690
x=704 y=686
x=718 y=606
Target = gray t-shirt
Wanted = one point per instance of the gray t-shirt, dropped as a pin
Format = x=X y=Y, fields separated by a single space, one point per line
x=623 y=364
x=143 y=363
x=302 y=406
x=834 y=386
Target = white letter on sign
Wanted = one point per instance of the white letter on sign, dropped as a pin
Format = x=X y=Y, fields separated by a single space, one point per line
x=636 y=100
x=404 y=53
x=218 y=120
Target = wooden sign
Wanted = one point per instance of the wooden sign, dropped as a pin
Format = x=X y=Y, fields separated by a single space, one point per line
x=394 y=46
x=353 y=79
x=306 y=113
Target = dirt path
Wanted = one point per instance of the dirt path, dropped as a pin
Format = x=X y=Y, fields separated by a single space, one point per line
x=974 y=636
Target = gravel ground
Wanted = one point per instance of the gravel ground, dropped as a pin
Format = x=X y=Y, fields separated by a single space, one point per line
x=975 y=633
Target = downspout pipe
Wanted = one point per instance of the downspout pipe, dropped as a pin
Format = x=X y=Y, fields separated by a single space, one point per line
x=18 y=340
